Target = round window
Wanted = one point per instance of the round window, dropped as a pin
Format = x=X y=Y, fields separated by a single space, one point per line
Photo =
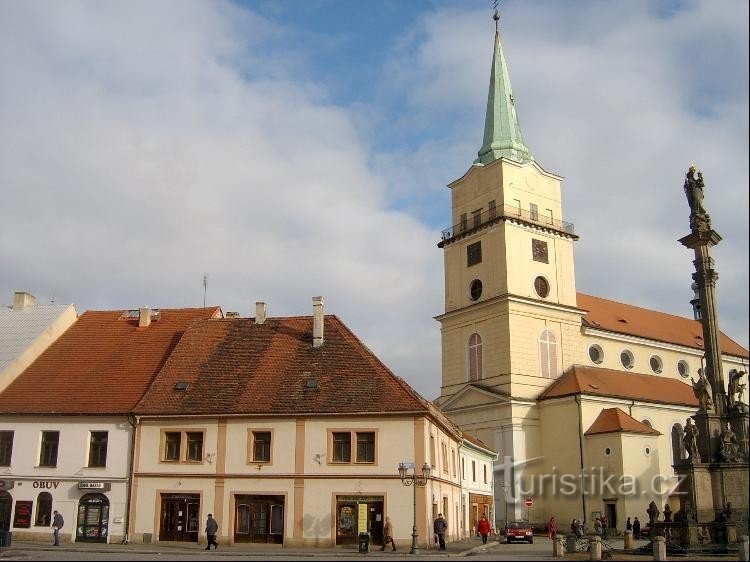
x=647 y=451
x=541 y=286
x=627 y=359
x=607 y=451
x=596 y=354
x=683 y=368
x=475 y=289
x=657 y=366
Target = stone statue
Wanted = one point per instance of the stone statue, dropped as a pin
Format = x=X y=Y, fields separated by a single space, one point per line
x=736 y=388
x=729 y=447
x=690 y=440
x=702 y=391
x=653 y=513
x=667 y=513
x=694 y=190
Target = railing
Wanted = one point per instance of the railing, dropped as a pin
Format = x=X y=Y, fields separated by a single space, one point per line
x=479 y=219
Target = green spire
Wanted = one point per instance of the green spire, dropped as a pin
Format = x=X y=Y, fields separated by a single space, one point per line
x=502 y=134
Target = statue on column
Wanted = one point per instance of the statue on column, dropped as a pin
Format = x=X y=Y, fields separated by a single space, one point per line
x=699 y=219
x=729 y=447
x=702 y=391
x=690 y=440
x=736 y=389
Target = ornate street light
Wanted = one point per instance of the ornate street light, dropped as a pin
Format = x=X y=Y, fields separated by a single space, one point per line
x=415 y=480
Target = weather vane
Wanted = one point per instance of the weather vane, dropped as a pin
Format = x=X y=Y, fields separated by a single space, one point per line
x=496 y=15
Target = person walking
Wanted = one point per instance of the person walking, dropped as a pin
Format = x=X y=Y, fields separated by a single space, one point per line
x=388 y=534
x=636 y=529
x=628 y=525
x=484 y=528
x=440 y=526
x=605 y=525
x=212 y=527
x=57 y=524
x=552 y=527
x=598 y=527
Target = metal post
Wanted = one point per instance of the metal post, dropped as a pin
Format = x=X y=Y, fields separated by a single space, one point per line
x=415 y=481
x=414 y=535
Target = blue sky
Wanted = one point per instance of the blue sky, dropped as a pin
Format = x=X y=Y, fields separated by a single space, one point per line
x=297 y=148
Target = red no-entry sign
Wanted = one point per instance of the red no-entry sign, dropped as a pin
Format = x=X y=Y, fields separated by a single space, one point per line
x=529 y=502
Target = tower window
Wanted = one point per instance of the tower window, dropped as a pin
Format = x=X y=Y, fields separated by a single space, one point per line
x=476 y=218
x=464 y=222
x=473 y=254
x=491 y=209
x=548 y=354
x=475 y=357
x=475 y=289
x=533 y=212
x=656 y=364
x=539 y=251
x=541 y=286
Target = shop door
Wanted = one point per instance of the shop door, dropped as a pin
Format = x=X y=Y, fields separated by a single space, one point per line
x=179 y=517
x=259 y=519
x=6 y=502
x=347 y=519
x=93 y=518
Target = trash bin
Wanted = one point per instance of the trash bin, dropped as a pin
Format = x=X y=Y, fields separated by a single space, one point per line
x=364 y=542
x=5 y=537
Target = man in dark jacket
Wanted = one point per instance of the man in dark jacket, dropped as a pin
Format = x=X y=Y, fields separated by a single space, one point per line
x=212 y=527
x=57 y=523
x=440 y=527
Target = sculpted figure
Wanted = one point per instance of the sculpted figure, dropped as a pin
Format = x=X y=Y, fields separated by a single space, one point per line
x=690 y=440
x=736 y=388
x=728 y=446
x=702 y=391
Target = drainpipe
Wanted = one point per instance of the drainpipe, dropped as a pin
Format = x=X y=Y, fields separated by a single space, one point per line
x=580 y=451
x=131 y=462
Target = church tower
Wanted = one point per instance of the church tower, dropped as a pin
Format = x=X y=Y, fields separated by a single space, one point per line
x=511 y=321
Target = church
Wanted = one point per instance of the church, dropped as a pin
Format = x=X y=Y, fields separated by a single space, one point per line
x=584 y=398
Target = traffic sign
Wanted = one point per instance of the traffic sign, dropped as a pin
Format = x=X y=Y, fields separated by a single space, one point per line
x=529 y=502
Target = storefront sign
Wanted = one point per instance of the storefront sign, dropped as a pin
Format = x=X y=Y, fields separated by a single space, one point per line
x=103 y=486
x=7 y=484
x=48 y=484
x=362 y=519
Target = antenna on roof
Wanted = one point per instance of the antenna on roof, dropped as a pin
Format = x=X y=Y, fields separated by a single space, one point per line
x=496 y=15
x=205 y=288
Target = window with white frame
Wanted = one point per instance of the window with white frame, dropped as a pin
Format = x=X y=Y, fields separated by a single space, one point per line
x=475 y=357
x=548 y=354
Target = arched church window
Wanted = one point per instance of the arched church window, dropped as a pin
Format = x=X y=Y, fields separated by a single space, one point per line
x=548 y=354
x=678 y=452
x=475 y=357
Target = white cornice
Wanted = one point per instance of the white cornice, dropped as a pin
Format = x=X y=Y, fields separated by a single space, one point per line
x=511 y=298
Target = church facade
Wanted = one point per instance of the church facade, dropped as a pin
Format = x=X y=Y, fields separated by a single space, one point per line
x=584 y=398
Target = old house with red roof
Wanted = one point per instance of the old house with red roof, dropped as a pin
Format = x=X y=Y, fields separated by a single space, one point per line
x=288 y=430
x=560 y=383
x=68 y=419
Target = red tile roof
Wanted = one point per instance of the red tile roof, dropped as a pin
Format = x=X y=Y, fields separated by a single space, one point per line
x=614 y=420
x=102 y=364
x=619 y=384
x=622 y=318
x=235 y=366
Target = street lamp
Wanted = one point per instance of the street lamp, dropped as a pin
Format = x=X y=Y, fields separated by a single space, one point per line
x=414 y=480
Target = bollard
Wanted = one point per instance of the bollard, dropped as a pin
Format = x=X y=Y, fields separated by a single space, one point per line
x=660 y=548
x=595 y=547
x=570 y=543
x=628 y=538
x=745 y=548
x=558 y=546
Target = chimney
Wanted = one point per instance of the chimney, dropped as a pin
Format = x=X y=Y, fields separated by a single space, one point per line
x=144 y=317
x=260 y=313
x=317 y=321
x=22 y=300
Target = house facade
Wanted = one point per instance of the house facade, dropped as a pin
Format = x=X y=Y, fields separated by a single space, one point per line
x=290 y=431
x=67 y=425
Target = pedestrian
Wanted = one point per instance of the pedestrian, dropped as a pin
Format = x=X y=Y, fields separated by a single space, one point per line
x=628 y=525
x=598 y=527
x=484 y=528
x=605 y=524
x=636 y=528
x=552 y=527
x=388 y=534
x=440 y=526
x=574 y=526
x=579 y=528
x=212 y=527
x=57 y=524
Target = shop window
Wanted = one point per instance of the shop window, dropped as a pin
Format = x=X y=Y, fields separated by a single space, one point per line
x=475 y=357
x=6 y=447
x=43 y=516
x=48 y=451
x=98 y=449
x=261 y=446
x=548 y=354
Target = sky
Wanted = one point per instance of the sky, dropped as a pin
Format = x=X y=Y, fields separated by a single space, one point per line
x=300 y=148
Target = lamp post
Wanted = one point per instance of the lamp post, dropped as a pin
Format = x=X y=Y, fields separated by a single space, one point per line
x=415 y=480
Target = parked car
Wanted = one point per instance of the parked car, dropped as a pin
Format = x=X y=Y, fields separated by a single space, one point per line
x=519 y=531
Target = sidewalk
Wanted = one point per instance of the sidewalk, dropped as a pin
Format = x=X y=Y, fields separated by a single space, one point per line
x=453 y=549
